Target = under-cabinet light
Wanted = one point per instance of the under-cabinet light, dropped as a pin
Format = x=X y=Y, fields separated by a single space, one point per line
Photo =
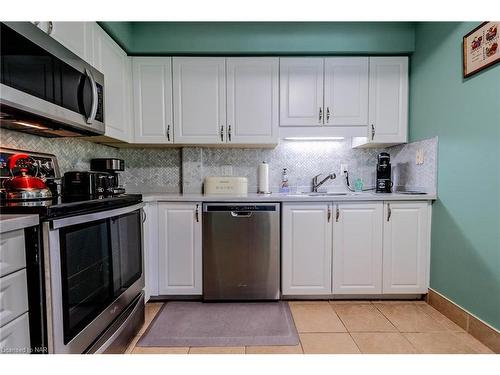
x=29 y=125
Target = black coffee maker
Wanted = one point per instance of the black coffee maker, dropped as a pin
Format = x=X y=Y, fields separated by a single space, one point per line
x=384 y=183
x=111 y=166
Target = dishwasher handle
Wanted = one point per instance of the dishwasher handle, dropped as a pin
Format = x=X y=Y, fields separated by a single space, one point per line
x=241 y=214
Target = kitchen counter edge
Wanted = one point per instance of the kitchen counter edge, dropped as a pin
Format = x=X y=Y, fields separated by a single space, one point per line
x=9 y=223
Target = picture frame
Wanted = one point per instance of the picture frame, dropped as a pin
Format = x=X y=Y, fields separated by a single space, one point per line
x=480 y=48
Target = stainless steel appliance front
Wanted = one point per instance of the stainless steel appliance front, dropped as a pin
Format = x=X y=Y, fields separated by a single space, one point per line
x=241 y=251
x=93 y=272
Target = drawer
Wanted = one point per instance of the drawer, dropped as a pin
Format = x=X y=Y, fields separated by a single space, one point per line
x=15 y=336
x=13 y=296
x=12 y=253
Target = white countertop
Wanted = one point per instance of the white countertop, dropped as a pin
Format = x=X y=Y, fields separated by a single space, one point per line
x=252 y=197
x=9 y=223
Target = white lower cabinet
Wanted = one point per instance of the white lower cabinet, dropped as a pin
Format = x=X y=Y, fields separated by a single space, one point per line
x=179 y=249
x=150 y=249
x=15 y=336
x=306 y=249
x=406 y=247
x=357 y=248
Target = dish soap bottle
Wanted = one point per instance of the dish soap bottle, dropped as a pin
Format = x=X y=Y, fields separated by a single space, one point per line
x=284 y=188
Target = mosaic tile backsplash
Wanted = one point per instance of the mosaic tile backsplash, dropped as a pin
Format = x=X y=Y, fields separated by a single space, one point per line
x=174 y=169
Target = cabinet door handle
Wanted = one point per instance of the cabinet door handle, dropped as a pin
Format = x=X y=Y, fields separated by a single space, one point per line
x=329 y=215
x=327 y=114
x=196 y=213
x=373 y=132
x=337 y=215
x=229 y=133
x=51 y=27
x=389 y=211
x=168 y=133
x=320 y=116
x=222 y=133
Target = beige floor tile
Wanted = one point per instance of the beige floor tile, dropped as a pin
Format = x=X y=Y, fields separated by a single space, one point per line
x=307 y=302
x=382 y=343
x=440 y=318
x=132 y=344
x=160 y=350
x=474 y=343
x=350 y=302
x=439 y=343
x=328 y=343
x=316 y=318
x=217 y=350
x=399 y=302
x=409 y=318
x=150 y=311
x=363 y=318
x=289 y=349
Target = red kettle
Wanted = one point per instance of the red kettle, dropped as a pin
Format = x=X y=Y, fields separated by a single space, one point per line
x=24 y=186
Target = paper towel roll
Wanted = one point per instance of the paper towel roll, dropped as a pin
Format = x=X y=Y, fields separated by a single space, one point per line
x=263 y=176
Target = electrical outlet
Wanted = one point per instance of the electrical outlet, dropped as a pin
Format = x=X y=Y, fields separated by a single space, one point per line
x=343 y=168
x=419 y=157
x=226 y=170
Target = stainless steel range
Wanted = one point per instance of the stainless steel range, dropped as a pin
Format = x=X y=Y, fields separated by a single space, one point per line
x=85 y=271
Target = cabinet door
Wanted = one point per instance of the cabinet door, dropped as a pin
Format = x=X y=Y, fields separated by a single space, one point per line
x=406 y=247
x=152 y=82
x=357 y=249
x=150 y=235
x=199 y=100
x=114 y=63
x=252 y=100
x=388 y=109
x=76 y=36
x=307 y=249
x=179 y=248
x=301 y=91
x=346 y=91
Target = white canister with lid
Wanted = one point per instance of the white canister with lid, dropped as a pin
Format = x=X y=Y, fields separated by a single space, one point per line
x=263 y=178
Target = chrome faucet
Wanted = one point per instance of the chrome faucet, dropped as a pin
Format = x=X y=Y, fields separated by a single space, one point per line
x=316 y=184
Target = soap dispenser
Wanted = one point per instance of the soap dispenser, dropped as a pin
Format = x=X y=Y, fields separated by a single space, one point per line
x=284 y=188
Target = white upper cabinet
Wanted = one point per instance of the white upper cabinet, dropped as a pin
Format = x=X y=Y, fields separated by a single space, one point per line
x=199 y=87
x=357 y=248
x=152 y=84
x=116 y=66
x=388 y=103
x=346 y=91
x=406 y=247
x=252 y=100
x=306 y=253
x=301 y=91
x=179 y=248
x=76 y=36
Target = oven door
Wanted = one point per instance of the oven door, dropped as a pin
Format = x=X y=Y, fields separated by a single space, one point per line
x=94 y=270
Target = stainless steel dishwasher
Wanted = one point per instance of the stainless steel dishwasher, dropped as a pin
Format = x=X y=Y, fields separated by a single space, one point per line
x=241 y=251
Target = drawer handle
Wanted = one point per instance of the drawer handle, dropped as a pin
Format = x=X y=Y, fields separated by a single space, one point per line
x=241 y=214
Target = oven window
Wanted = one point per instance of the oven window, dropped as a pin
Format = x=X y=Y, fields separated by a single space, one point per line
x=87 y=274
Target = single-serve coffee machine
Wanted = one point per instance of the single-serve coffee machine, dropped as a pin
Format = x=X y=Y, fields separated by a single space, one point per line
x=384 y=183
x=112 y=166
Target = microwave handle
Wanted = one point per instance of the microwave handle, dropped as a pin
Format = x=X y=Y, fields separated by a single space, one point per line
x=93 y=110
x=79 y=219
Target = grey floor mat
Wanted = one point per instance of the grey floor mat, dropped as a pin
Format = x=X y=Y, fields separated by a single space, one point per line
x=221 y=324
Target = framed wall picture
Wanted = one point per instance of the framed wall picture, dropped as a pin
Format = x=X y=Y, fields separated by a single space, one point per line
x=480 y=48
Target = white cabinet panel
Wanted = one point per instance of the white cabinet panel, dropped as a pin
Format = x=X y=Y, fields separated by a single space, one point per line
x=301 y=91
x=252 y=100
x=346 y=91
x=406 y=247
x=15 y=336
x=388 y=110
x=13 y=296
x=306 y=249
x=76 y=36
x=180 y=266
x=152 y=82
x=114 y=63
x=151 y=233
x=12 y=252
x=199 y=88
x=357 y=249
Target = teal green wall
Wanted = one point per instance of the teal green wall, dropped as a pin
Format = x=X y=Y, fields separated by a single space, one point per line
x=465 y=115
x=260 y=38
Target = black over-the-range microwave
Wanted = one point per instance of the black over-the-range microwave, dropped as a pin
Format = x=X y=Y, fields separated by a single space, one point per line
x=45 y=88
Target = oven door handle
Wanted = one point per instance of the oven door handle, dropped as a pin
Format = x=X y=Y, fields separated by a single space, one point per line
x=94 y=216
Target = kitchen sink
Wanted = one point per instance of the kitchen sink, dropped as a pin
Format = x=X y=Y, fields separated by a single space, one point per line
x=317 y=194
